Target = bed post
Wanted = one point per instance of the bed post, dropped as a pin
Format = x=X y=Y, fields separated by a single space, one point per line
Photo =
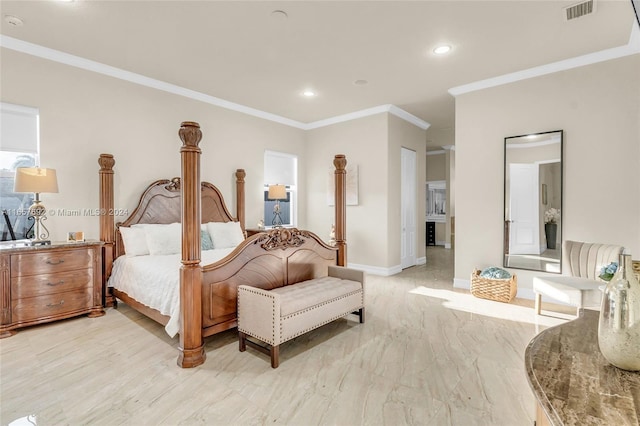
x=107 y=226
x=240 y=175
x=191 y=343
x=340 y=162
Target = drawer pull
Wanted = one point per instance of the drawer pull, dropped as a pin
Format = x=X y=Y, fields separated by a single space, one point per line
x=55 y=284
x=54 y=263
x=53 y=305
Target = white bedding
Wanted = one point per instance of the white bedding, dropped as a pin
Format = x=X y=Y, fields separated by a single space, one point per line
x=155 y=281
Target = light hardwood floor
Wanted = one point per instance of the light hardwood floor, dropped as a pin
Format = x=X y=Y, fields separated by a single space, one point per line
x=427 y=355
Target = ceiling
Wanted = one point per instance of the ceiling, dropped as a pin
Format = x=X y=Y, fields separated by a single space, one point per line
x=242 y=52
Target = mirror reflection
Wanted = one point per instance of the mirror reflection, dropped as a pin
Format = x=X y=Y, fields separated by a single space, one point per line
x=533 y=201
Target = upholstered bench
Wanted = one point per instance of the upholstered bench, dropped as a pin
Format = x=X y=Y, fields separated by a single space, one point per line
x=278 y=315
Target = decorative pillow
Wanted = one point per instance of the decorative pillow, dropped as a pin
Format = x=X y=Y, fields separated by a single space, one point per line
x=225 y=234
x=495 y=273
x=135 y=241
x=163 y=239
x=205 y=240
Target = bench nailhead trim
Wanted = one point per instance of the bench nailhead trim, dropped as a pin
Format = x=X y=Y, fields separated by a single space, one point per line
x=273 y=309
x=311 y=308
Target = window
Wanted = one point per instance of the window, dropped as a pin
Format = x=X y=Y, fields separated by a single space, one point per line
x=19 y=135
x=280 y=169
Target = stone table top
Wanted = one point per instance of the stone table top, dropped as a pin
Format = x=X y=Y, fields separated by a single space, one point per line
x=574 y=383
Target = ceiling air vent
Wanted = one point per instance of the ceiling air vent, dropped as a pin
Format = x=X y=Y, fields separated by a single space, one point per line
x=580 y=9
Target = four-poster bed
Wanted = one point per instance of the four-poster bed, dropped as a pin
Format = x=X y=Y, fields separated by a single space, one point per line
x=208 y=293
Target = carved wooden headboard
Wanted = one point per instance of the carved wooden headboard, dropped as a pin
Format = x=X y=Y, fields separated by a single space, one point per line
x=160 y=203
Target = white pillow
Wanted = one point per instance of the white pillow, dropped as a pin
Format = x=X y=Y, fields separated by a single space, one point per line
x=163 y=239
x=225 y=234
x=135 y=241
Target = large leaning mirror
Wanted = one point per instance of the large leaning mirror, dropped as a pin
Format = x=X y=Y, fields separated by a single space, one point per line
x=533 y=201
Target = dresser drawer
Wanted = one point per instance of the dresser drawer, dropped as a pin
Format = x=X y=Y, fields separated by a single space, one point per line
x=41 y=307
x=38 y=285
x=48 y=262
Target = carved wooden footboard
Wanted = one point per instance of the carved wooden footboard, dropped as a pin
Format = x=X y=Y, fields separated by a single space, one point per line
x=268 y=260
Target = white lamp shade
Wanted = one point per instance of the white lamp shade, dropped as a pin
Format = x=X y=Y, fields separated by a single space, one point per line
x=277 y=192
x=35 y=179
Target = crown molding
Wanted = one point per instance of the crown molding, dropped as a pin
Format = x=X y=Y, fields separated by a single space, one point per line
x=391 y=109
x=347 y=117
x=631 y=48
x=400 y=113
x=100 y=68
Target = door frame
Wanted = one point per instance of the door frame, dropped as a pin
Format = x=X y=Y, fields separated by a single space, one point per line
x=408 y=207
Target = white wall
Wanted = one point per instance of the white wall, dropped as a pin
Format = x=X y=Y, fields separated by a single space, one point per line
x=364 y=143
x=598 y=107
x=83 y=114
x=405 y=135
x=373 y=144
x=436 y=167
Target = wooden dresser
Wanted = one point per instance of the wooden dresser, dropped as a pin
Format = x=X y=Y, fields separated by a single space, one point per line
x=48 y=283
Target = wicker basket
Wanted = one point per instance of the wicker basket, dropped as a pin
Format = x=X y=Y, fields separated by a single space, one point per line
x=498 y=290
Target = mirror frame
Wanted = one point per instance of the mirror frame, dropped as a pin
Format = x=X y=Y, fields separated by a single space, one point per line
x=542 y=197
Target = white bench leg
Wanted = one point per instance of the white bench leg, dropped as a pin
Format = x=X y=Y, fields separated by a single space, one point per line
x=538 y=303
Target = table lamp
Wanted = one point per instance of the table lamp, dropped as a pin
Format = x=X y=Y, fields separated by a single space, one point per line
x=277 y=192
x=37 y=180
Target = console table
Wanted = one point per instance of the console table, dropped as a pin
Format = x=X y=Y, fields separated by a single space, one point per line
x=574 y=384
x=47 y=283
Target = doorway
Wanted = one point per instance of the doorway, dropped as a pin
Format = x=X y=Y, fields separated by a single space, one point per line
x=408 y=210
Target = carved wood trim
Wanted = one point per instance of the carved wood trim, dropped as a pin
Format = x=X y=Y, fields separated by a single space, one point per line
x=107 y=225
x=191 y=342
x=240 y=175
x=5 y=290
x=281 y=238
x=340 y=163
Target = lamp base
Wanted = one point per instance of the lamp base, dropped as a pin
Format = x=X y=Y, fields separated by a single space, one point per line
x=39 y=213
x=39 y=242
x=277 y=220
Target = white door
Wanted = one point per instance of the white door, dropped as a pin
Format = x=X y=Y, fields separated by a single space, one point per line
x=524 y=234
x=408 y=208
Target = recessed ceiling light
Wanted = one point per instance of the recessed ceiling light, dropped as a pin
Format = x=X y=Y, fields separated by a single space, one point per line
x=13 y=20
x=360 y=82
x=279 y=15
x=308 y=93
x=441 y=50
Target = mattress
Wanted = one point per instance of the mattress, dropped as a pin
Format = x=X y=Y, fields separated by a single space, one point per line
x=154 y=281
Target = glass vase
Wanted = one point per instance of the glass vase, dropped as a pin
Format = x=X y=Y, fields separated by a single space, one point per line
x=619 y=323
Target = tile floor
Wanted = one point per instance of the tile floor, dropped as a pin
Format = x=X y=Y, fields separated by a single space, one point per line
x=428 y=354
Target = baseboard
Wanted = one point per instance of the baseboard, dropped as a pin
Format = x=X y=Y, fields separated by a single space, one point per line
x=462 y=283
x=421 y=260
x=526 y=293
x=376 y=270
